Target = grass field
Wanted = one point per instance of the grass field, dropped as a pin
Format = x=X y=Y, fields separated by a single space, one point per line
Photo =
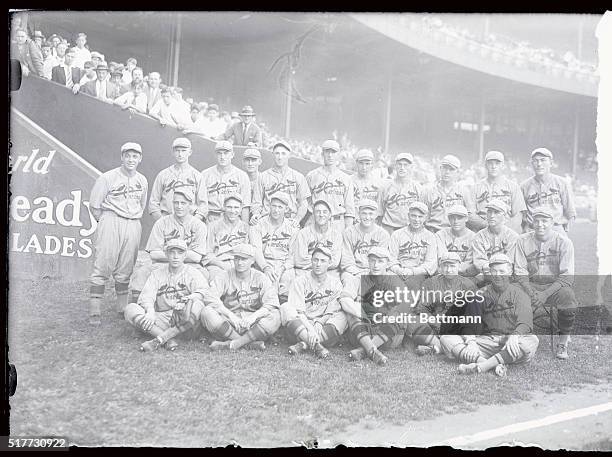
x=94 y=386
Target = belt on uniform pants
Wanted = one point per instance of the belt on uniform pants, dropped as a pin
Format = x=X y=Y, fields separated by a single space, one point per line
x=337 y=217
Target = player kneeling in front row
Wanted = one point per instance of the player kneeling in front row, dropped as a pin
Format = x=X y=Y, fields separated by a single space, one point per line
x=369 y=327
x=312 y=314
x=171 y=300
x=507 y=323
x=250 y=310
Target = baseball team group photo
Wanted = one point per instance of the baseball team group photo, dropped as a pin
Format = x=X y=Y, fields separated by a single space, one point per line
x=355 y=252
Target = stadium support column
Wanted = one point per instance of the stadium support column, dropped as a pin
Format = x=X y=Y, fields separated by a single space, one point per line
x=388 y=112
x=289 y=89
x=176 y=52
x=576 y=137
x=481 y=125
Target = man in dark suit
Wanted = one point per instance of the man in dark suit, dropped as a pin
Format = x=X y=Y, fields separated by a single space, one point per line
x=28 y=54
x=153 y=91
x=99 y=87
x=244 y=132
x=59 y=73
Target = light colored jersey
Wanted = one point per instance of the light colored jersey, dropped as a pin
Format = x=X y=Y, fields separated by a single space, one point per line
x=256 y=195
x=545 y=261
x=437 y=290
x=462 y=245
x=248 y=295
x=163 y=289
x=554 y=193
x=411 y=249
x=223 y=236
x=369 y=188
x=506 y=313
x=336 y=188
x=305 y=242
x=274 y=242
x=485 y=244
x=191 y=230
x=170 y=179
x=438 y=200
x=220 y=185
x=503 y=189
x=395 y=199
x=291 y=182
x=124 y=195
x=313 y=299
x=356 y=244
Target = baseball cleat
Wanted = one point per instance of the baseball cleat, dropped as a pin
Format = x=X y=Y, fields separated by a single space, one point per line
x=298 y=348
x=220 y=345
x=378 y=357
x=469 y=368
x=357 y=354
x=422 y=350
x=150 y=346
x=95 y=320
x=501 y=370
x=171 y=344
x=257 y=345
x=320 y=351
x=562 y=351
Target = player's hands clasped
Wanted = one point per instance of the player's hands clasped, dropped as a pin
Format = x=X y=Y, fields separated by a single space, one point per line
x=472 y=352
x=148 y=320
x=512 y=346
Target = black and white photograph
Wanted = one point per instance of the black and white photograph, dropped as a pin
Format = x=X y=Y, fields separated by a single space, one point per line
x=281 y=229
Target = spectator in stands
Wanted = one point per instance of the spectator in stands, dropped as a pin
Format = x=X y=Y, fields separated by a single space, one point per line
x=60 y=52
x=66 y=73
x=153 y=90
x=89 y=73
x=212 y=126
x=245 y=132
x=194 y=125
x=49 y=61
x=82 y=54
x=235 y=117
x=39 y=39
x=99 y=87
x=28 y=54
x=137 y=77
x=181 y=104
x=167 y=110
x=97 y=58
x=130 y=64
x=203 y=108
x=54 y=40
x=135 y=99
x=113 y=88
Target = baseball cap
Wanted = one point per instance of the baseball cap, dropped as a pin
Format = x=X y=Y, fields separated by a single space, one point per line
x=324 y=202
x=380 y=252
x=251 y=152
x=129 y=146
x=422 y=207
x=542 y=211
x=367 y=203
x=282 y=143
x=364 y=154
x=233 y=196
x=449 y=257
x=185 y=192
x=451 y=160
x=498 y=205
x=181 y=142
x=88 y=64
x=331 y=144
x=543 y=151
x=243 y=250
x=175 y=243
x=247 y=111
x=457 y=210
x=404 y=156
x=323 y=250
x=102 y=66
x=281 y=196
x=494 y=155
x=499 y=258
x=224 y=145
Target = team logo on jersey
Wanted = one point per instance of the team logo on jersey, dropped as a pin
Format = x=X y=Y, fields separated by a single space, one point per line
x=502 y=248
x=232 y=239
x=487 y=196
x=246 y=299
x=363 y=247
x=131 y=192
x=178 y=184
x=175 y=234
x=502 y=310
x=446 y=201
x=173 y=293
x=540 y=258
x=552 y=197
x=330 y=188
x=273 y=240
x=366 y=192
x=289 y=187
x=224 y=188
x=461 y=249
x=314 y=244
x=405 y=199
x=413 y=250
x=318 y=298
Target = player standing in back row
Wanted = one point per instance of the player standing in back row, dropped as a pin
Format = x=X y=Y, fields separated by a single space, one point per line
x=117 y=201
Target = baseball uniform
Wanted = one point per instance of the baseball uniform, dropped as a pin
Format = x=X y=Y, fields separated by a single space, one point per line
x=438 y=200
x=291 y=182
x=220 y=185
x=552 y=192
x=305 y=242
x=462 y=245
x=414 y=249
x=486 y=243
x=355 y=247
x=503 y=189
x=122 y=199
x=336 y=188
x=394 y=200
x=172 y=178
x=274 y=242
x=221 y=238
x=366 y=188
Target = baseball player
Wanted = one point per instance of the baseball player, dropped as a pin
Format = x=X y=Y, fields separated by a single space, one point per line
x=224 y=179
x=312 y=314
x=413 y=249
x=497 y=186
x=359 y=239
x=178 y=176
x=547 y=189
x=180 y=224
x=496 y=238
x=171 y=301
x=250 y=311
x=117 y=201
x=282 y=178
x=544 y=267
x=458 y=239
x=366 y=185
x=274 y=235
x=367 y=328
x=507 y=326
x=321 y=233
x=444 y=193
x=251 y=160
x=333 y=185
x=398 y=195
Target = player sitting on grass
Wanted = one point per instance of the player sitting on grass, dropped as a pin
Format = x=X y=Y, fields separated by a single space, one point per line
x=312 y=315
x=458 y=239
x=250 y=311
x=171 y=300
x=507 y=322
x=367 y=330
x=544 y=267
